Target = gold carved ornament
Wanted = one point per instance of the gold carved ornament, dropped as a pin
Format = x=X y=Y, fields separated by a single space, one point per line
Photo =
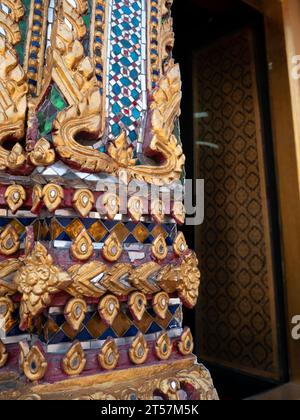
x=74 y=361
x=137 y=303
x=109 y=355
x=186 y=343
x=112 y=249
x=160 y=304
x=37 y=279
x=139 y=351
x=6 y=309
x=75 y=312
x=178 y=212
x=8 y=270
x=109 y=307
x=37 y=197
x=42 y=154
x=83 y=201
x=109 y=203
x=82 y=248
x=159 y=248
x=15 y=195
x=33 y=362
x=163 y=347
x=13 y=86
x=180 y=246
x=9 y=241
x=52 y=195
x=135 y=207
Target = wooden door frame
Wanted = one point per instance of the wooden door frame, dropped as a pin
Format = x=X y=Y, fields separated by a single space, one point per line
x=282 y=28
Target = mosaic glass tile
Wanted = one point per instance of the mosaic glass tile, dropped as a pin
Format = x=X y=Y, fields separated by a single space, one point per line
x=98 y=231
x=20 y=48
x=126 y=85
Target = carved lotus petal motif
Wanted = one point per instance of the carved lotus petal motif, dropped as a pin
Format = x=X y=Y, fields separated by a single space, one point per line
x=83 y=201
x=111 y=205
x=15 y=195
x=74 y=361
x=16 y=157
x=42 y=155
x=75 y=312
x=109 y=355
x=186 y=343
x=82 y=248
x=3 y=355
x=178 y=212
x=180 y=245
x=112 y=249
x=161 y=304
x=33 y=362
x=159 y=248
x=37 y=195
x=135 y=208
x=137 y=304
x=163 y=347
x=53 y=195
x=121 y=151
x=158 y=211
x=138 y=352
x=9 y=241
x=108 y=308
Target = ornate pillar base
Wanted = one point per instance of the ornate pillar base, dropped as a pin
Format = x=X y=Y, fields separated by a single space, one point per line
x=180 y=380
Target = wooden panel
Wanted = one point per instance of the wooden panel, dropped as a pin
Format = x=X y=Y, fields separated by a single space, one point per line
x=237 y=308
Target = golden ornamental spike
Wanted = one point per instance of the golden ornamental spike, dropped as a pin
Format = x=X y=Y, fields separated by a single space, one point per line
x=9 y=241
x=186 y=343
x=109 y=308
x=109 y=355
x=178 y=212
x=15 y=195
x=33 y=362
x=53 y=195
x=75 y=312
x=180 y=245
x=159 y=248
x=139 y=351
x=163 y=347
x=112 y=249
x=161 y=304
x=74 y=361
x=137 y=303
x=158 y=211
x=82 y=248
x=83 y=201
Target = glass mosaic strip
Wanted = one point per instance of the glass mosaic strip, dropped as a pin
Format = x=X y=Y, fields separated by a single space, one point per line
x=126 y=68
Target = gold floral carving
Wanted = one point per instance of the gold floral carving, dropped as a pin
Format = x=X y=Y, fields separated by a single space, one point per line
x=180 y=245
x=137 y=303
x=109 y=307
x=163 y=347
x=109 y=355
x=186 y=343
x=38 y=279
x=3 y=355
x=112 y=249
x=139 y=351
x=121 y=152
x=32 y=362
x=42 y=154
x=160 y=304
x=83 y=201
x=159 y=248
x=74 y=361
x=82 y=248
x=9 y=241
x=15 y=195
x=53 y=195
x=75 y=312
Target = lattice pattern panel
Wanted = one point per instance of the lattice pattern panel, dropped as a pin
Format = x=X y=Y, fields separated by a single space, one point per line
x=237 y=321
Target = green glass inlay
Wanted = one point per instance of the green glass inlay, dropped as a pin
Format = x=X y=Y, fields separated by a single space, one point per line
x=57 y=99
x=20 y=48
x=87 y=16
